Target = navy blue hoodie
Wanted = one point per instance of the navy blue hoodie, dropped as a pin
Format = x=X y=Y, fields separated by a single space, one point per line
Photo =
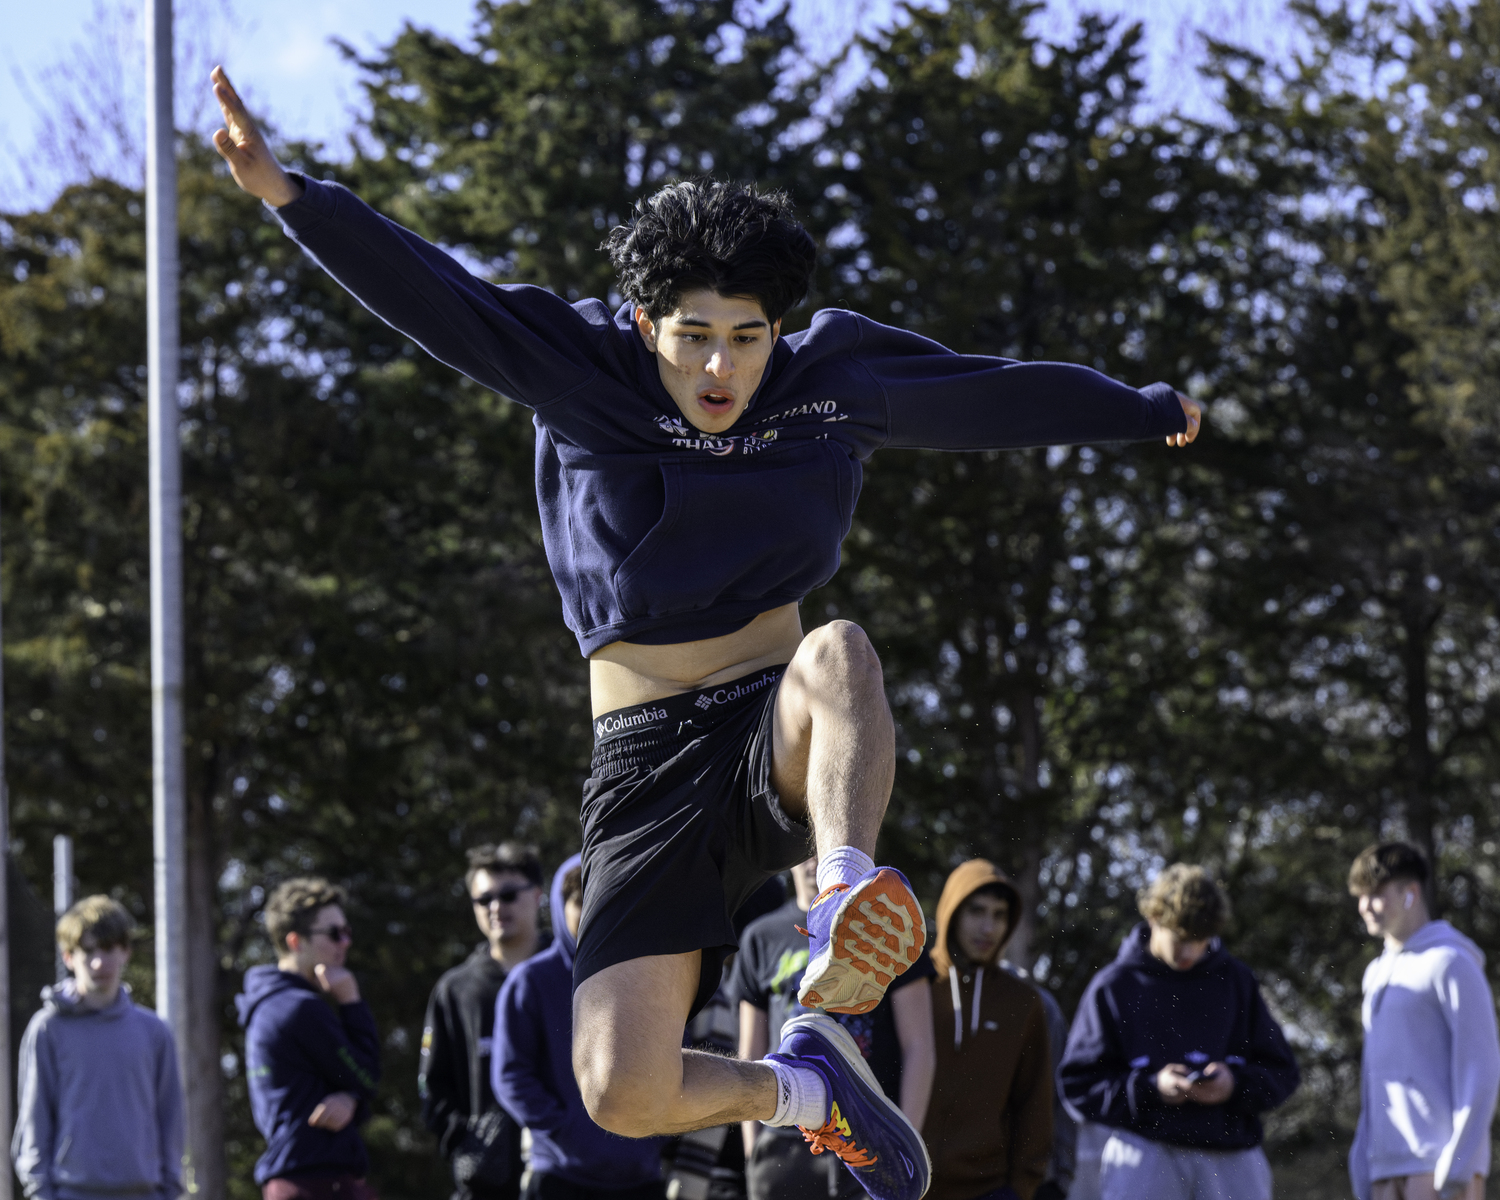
x=658 y=533
x=1139 y=1014
x=299 y=1049
x=531 y=1071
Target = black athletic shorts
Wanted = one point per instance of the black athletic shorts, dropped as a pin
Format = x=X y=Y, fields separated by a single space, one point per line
x=680 y=827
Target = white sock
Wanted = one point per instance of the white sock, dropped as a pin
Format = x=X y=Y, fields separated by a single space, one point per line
x=842 y=864
x=801 y=1097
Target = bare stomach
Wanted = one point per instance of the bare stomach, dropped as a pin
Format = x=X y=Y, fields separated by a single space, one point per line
x=624 y=673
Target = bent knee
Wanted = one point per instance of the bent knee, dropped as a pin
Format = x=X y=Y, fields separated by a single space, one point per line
x=621 y=1089
x=616 y=1102
x=841 y=649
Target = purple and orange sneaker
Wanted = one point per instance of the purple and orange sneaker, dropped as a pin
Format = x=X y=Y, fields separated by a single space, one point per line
x=870 y=1135
x=860 y=937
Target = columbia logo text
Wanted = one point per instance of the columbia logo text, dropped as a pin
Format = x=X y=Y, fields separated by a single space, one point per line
x=630 y=720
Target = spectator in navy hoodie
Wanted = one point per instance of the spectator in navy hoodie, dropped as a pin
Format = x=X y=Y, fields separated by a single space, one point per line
x=1173 y=1049
x=531 y=1067
x=312 y=1066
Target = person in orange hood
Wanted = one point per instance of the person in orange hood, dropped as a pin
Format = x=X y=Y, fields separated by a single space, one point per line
x=989 y=1124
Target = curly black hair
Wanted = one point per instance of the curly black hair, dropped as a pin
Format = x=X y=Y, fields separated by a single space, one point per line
x=726 y=237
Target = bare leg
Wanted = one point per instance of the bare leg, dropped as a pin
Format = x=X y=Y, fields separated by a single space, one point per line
x=635 y=1077
x=834 y=748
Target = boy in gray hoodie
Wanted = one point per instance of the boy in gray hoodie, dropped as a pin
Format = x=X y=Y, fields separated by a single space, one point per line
x=1431 y=1067
x=100 y=1110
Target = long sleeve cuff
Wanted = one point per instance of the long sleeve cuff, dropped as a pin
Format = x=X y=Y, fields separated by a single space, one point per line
x=317 y=204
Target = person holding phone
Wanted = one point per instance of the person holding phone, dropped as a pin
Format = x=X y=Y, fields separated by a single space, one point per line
x=1174 y=1050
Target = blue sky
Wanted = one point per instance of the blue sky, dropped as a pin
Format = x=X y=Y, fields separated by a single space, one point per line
x=280 y=54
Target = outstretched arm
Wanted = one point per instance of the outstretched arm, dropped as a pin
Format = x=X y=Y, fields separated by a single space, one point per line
x=523 y=342
x=939 y=400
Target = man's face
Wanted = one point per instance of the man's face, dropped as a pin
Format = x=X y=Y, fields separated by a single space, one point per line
x=573 y=913
x=328 y=939
x=96 y=970
x=711 y=354
x=506 y=904
x=1178 y=952
x=1388 y=909
x=981 y=925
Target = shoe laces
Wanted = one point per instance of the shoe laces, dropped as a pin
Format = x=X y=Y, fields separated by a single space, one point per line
x=836 y=1137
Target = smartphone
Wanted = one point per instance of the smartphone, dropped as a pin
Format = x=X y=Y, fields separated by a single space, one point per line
x=1201 y=1074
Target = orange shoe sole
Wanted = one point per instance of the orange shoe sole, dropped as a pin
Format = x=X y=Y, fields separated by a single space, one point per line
x=877 y=934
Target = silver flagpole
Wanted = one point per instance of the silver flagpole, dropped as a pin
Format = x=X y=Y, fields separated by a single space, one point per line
x=167 y=766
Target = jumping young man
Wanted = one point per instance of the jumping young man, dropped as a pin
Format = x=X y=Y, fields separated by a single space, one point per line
x=696 y=473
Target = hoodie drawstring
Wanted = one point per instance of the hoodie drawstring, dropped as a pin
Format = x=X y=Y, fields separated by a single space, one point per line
x=978 y=988
x=958 y=1004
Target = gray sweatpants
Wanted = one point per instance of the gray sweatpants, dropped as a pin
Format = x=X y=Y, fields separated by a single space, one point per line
x=1134 y=1167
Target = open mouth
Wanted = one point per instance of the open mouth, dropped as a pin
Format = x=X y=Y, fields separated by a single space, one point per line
x=716 y=400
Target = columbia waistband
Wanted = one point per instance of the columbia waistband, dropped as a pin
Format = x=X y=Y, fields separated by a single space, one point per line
x=681 y=716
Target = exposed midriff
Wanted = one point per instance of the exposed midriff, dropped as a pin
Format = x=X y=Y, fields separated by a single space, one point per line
x=626 y=673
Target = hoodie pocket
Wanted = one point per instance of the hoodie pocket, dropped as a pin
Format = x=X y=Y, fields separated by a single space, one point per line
x=1422 y=1126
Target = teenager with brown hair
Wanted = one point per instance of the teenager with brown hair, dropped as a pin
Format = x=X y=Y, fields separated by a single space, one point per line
x=1431 y=1065
x=1174 y=1049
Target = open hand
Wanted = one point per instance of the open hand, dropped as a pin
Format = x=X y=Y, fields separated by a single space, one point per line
x=241 y=145
x=334 y=1111
x=1191 y=409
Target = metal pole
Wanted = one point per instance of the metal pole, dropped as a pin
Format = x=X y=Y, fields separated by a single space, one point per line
x=7 y=1085
x=62 y=874
x=62 y=885
x=167 y=767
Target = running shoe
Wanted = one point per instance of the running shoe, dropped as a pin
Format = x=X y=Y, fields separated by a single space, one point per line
x=870 y=1135
x=860 y=937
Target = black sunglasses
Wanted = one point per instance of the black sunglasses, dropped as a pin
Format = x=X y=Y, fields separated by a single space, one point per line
x=503 y=895
x=335 y=933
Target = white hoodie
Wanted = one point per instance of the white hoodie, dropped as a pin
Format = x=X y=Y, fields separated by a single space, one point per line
x=1431 y=1067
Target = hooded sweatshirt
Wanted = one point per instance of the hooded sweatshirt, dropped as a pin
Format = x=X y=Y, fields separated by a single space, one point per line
x=299 y=1049
x=1431 y=1065
x=453 y=1079
x=531 y=1070
x=1139 y=1014
x=100 y=1110
x=989 y=1124
x=655 y=531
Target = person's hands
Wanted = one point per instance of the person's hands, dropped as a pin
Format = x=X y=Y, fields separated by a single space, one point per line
x=1172 y=1083
x=1216 y=1086
x=334 y=1111
x=338 y=982
x=241 y=145
x=1191 y=409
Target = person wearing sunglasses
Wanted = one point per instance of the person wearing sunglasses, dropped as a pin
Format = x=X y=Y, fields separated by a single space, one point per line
x=480 y=1140
x=312 y=1052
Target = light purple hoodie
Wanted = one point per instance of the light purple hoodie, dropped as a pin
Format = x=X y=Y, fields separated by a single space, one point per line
x=1431 y=1067
x=100 y=1110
